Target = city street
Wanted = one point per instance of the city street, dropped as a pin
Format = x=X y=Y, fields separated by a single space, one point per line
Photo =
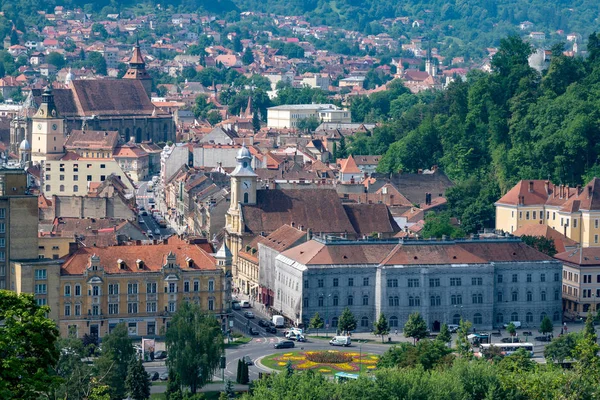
x=143 y=197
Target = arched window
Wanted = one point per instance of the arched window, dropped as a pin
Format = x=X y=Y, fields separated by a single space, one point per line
x=391 y=301
x=556 y=316
x=350 y=300
x=514 y=316
x=529 y=317
x=62 y=188
x=432 y=301
x=499 y=318
x=477 y=319
x=542 y=316
x=334 y=322
x=456 y=319
x=245 y=197
x=75 y=188
x=336 y=300
x=364 y=322
x=393 y=322
x=515 y=296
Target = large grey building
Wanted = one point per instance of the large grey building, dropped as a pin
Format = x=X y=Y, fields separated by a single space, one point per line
x=486 y=281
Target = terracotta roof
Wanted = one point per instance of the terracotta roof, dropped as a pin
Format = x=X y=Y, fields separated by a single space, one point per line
x=129 y=152
x=349 y=166
x=587 y=199
x=317 y=253
x=529 y=192
x=153 y=257
x=369 y=218
x=121 y=97
x=367 y=160
x=586 y=256
x=316 y=209
x=283 y=238
x=542 y=230
x=137 y=57
x=93 y=140
x=43 y=202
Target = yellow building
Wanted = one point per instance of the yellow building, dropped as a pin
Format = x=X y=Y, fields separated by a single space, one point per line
x=573 y=211
x=54 y=247
x=48 y=130
x=141 y=285
x=580 y=281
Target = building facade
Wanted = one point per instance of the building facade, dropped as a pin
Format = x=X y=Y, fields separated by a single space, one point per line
x=580 y=281
x=488 y=282
x=140 y=285
x=288 y=116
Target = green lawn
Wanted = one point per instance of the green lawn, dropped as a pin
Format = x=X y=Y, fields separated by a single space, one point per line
x=238 y=341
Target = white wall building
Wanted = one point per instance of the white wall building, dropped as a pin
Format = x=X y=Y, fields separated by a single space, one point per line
x=288 y=116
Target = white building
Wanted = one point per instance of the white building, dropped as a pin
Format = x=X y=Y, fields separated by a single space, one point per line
x=288 y=116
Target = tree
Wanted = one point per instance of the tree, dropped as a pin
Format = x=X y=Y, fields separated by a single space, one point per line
x=309 y=124
x=214 y=117
x=28 y=348
x=439 y=224
x=463 y=346
x=347 y=321
x=173 y=391
x=562 y=348
x=137 y=381
x=340 y=150
x=111 y=367
x=415 y=327
x=541 y=244
x=237 y=44
x=14 y=37
x=444 y=336
x=195 y=344
x=511 y=329
x=546 y=326
x=255 y=122
x=56 y=59
x=97 y=62
x=381 y=327
x=316 y=322
x=248 y=57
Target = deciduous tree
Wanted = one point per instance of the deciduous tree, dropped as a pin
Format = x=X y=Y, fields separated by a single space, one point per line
x=137 y=381
x=444 y=336
x=347 y=321
x=316 y=322
x=415 y=327
x=381 y=327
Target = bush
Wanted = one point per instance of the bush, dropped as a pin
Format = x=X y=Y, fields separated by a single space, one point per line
x=328 y=357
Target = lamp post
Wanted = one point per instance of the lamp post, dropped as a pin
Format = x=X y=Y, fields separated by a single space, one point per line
x=359 y=357
x=326 y=312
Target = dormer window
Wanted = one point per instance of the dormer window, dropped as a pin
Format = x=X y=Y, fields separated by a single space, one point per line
x=189 y=262
x=121 y=264
x=140 y=263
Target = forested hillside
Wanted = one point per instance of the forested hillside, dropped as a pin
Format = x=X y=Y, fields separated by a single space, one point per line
x=494 y=129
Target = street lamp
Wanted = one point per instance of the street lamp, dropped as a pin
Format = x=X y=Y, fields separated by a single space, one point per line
x=326 y=312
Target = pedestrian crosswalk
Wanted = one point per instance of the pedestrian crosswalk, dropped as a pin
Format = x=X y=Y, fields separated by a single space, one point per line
x=266 y=340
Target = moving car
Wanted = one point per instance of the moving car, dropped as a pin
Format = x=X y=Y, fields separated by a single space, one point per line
x=160 y=355
x=287 y=344
x=340 y=341
x=245 y=304
x=154 y=376
x=248 y=360
x=164 y=376
x=263 y=323
x=271 y=329
x=249 y=314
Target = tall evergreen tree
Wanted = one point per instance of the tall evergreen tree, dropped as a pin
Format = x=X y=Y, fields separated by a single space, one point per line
x=347 y=321
x=444 y=336
x=137 y=381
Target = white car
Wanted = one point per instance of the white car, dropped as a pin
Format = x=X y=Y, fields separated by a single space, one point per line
x=157 y=231
x=517 y=324
x=452 y=328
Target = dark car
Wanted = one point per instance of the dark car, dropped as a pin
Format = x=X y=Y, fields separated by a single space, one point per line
x=286 y=344
x=248 y=360
x=263 y=323
x=254 y=331
x=160 y=355
x=154 y=376
x=271 y=329
x=543 y=338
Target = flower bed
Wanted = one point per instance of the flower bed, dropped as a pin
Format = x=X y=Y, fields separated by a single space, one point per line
x=325 y=362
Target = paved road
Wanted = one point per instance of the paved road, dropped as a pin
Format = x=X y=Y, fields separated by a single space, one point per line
x=143 y=197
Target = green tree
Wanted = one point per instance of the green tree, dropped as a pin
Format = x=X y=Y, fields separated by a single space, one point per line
x=137 y=381
x=381 y=327
x=111 y=366
x=316 y=322
x=340 y=150
x=97 y=62
x=541 y=244
x=195 y=344
x=242 y=372
x=56 y=59
x=562 y=347
x=444 y=336
x=237 y=44
x=415 y=327
x=14 y=37
x=463 y=346
x=76 y=376
x=248 y=56
x=173 y=391
x=439 y=224
x=546 y=326
x=28 y=348
x=347 y=321
x=255 y=122
x=511 y=329
x=309 y=124
x=214 y=117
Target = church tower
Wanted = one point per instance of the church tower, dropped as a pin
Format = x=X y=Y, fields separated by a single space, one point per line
x=243 y=191
x=47 y=132
x=137 y=69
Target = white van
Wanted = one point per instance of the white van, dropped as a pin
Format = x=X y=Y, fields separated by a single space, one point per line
x=245 y=304
x=278 y=321
x=340 y=341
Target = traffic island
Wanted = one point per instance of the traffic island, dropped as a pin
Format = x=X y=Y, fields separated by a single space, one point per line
x=327 y=362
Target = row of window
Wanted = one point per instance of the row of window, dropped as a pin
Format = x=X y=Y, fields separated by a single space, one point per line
x=528 y=278
x=574 y=277
x=132 y=308
x=61 y=167
x=514 y=296
x=132 y=288
x=336 y=282
x=528 y=317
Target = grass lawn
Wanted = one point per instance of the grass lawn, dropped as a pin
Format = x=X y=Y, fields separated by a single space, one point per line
x=238 y=341
x=159 y=383
x=359 y=362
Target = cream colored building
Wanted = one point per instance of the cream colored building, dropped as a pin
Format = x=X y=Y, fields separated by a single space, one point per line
x=48 y=130
x=97 y=288
x=288 y=116
x=580 y=281
x=72 y=175
x=573 y=211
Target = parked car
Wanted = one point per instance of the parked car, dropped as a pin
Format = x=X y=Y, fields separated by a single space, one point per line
x=286 y=344
x=160 y=355
x=517 y=324
x=157 y=231
x=452 y=328
x=254 y=331
x=249 y=314
x=245 y=304
x=154 y=376
x=340 y=341
x=543 y=338
x=248 y=360
x=164 y=376
x=263 y=323
x=236 y=306
x=271 y=329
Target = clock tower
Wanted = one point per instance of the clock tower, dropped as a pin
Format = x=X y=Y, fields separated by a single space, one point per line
x=48 y=132
x=243 y=191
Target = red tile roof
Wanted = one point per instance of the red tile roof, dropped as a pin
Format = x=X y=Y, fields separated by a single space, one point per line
x=349 y=166
x=542 y=230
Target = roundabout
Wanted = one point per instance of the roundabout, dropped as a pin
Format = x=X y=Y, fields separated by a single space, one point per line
x=323 y=361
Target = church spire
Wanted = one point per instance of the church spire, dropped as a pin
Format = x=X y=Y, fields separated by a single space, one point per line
x=137 y=69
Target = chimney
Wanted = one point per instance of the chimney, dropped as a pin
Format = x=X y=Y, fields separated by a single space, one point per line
x=578 y=189
x=530 y=186
x=566 y=191
x=293 y=224
x=589 y=188
x=547 y=187
x=308 y=234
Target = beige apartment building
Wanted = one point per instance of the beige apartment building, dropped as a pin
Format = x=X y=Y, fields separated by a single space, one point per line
x=96 y=288
x=288 y=116
x=580 y=281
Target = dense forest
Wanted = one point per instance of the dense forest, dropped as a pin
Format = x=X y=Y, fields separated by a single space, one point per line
x=494 y=129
